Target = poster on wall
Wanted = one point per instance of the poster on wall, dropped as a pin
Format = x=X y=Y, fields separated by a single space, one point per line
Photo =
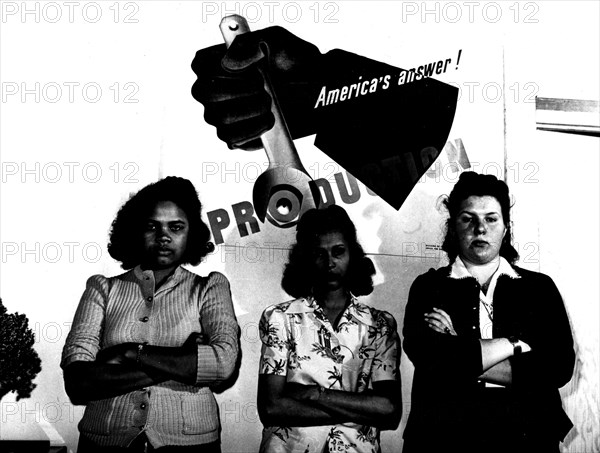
x=381 y=106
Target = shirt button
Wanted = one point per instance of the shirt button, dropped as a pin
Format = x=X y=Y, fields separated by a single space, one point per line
x=474 y=308
x=144 y=319
x=143 y=406
x=474 y=327
x=149 y=298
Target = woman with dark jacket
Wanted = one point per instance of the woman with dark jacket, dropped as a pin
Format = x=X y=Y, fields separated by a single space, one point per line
x=491 y=342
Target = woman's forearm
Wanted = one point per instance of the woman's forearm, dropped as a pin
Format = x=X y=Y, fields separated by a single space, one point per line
x=90 y=381
x=178 y=363
x=380 y=407
x=495 y=351
x=363 y=408
x=286 y=411
x=501 y=373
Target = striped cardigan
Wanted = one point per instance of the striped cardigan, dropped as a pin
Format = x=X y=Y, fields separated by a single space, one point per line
x=127 y=308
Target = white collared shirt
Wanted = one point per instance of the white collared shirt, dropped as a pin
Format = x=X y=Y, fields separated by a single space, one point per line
x=486 y=301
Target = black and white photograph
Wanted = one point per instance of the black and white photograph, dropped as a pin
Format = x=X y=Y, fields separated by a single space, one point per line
x=299 y=226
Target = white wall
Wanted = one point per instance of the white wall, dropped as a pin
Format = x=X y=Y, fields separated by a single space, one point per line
x=54 y=226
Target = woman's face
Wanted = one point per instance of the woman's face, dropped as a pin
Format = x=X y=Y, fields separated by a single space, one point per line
x=331 y=258
x=480 y=229
x=165 y=236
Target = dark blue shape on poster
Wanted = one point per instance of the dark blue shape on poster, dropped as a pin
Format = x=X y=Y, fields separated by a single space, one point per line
x=384 y=133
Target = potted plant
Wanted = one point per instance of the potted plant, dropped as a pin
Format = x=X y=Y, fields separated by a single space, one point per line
x=19 y=362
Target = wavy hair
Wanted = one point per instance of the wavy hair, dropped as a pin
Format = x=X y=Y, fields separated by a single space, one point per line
x=469 y=184
x=299 y=273
x=126 y=235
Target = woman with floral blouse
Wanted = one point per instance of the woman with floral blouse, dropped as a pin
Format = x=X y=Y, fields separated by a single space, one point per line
x=329 y=378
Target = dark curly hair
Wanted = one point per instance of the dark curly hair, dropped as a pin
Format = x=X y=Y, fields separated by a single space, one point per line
x=471 y=183
x=299 y=273
x=126 y=235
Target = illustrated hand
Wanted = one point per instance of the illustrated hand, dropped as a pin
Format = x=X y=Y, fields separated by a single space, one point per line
x=439 y=321
x=230 y=86
x=120 y=354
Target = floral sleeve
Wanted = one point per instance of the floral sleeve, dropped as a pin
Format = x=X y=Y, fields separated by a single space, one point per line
x=386 y=362
x=274 y=337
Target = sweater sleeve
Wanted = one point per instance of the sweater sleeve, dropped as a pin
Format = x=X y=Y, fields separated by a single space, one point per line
x=217 y=359
x=447 y=355
x=85 y=336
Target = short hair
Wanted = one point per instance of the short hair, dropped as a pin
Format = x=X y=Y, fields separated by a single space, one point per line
x=299 y=273
x=469 y=184
x=126 y=235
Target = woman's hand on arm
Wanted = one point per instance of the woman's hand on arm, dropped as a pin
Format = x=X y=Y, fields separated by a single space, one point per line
x=90 y=381
x=285 y=404
x=120 y=354
x=432 y=350
x=118 y=369
x=293 y=404
x=91 y=374
x=206 y=358
x=439 y=321
x=380 y=407
x=495 y=352
x=492 y=351
x=280 y=403
x=178 y=363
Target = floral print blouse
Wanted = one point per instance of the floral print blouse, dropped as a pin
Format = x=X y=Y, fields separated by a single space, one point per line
x=300 y=343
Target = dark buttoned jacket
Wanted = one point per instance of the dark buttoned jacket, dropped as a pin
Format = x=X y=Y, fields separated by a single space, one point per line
x=447 y=394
